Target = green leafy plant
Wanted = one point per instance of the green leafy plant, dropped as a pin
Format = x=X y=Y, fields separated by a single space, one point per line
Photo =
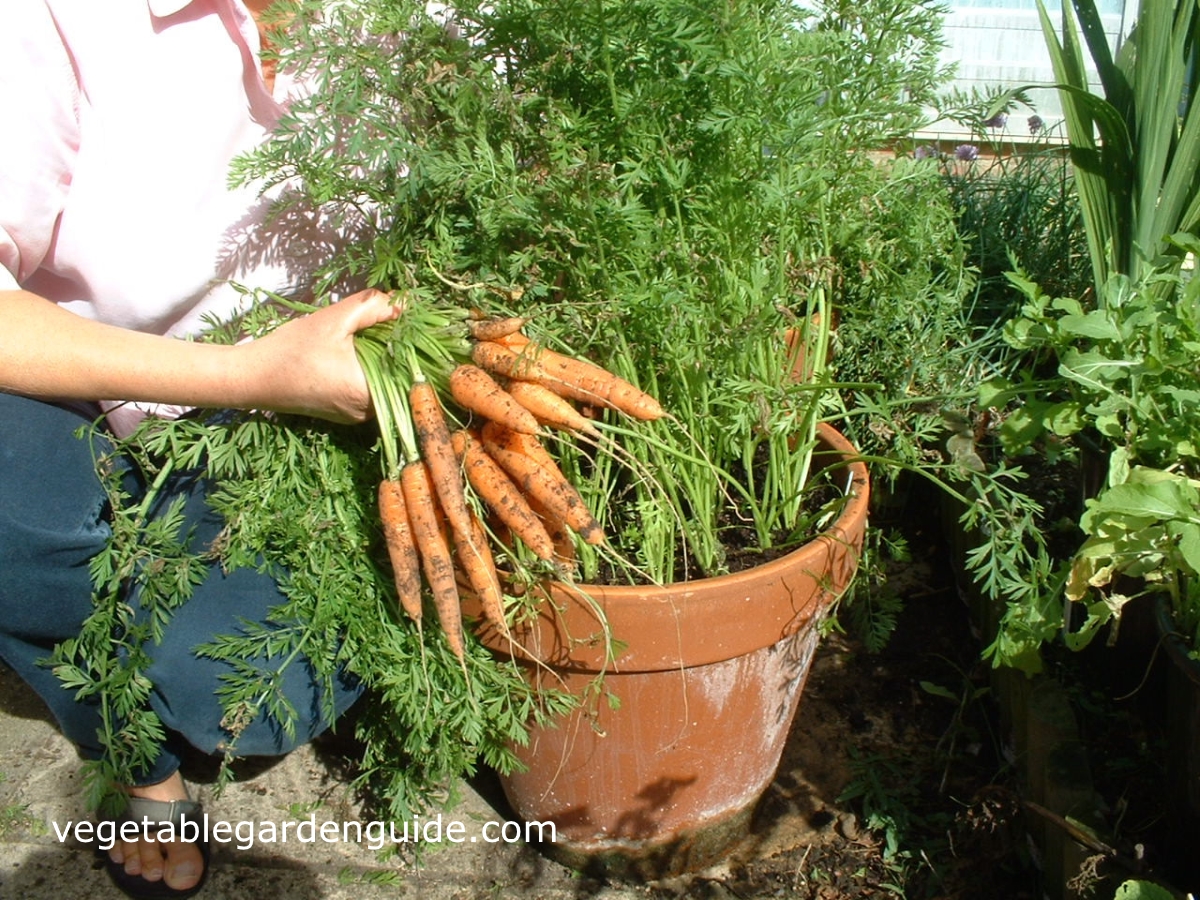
x=663 y=184
x=1109 y=373
x=1125 y=383
x=1142 y=890
x=1136 y=149
x=1015 y=199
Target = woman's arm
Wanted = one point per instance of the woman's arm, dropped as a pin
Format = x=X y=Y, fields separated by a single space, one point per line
x=306 y=366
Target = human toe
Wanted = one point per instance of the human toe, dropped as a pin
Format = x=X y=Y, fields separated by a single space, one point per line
x=184 y=866
x=149 y=861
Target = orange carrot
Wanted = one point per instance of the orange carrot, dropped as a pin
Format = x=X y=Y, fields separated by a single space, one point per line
x=498 y=359
x=477 y=563
x=445 y=472
x=497 y=490
x=436 y=561
x=564 y=547
x=536 y=473
x=493 y=328
x=596 y=384
x=474 y=389
x=433 y=437
x=572 y=378
x=550 y=408
x=402 y=549
x=514 y=340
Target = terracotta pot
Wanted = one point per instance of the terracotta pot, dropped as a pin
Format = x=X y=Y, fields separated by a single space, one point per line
x=708 y=678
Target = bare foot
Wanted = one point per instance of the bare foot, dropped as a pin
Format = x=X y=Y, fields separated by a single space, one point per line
x=178 y=864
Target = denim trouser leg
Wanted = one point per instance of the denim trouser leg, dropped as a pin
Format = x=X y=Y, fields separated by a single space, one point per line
x=52 y=522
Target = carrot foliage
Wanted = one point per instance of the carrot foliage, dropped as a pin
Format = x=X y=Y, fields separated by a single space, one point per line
x=662 y=186
x=297 y=497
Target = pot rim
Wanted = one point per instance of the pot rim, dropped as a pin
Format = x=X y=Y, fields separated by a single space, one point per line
x=705 y=620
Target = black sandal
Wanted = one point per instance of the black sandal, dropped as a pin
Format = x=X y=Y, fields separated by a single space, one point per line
x=158 y=813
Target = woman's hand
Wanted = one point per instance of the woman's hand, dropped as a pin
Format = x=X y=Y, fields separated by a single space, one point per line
x=309 y=366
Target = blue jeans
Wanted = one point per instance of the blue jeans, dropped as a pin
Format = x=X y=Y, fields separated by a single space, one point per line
x=53 y=520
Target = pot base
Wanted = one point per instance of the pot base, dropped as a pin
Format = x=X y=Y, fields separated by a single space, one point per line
x=688 y=850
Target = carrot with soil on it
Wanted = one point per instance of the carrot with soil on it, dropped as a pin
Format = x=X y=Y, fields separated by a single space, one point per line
x=437 y=450
x=550 y=408
x=445 y=471
x=496 y=358
x=492 y=328
x=573 y=378
x=595 y=384
x=475 y=558
x=496 y=489
x=476 y=391
x=536 y=473
x=401 y=547
x=436 y=560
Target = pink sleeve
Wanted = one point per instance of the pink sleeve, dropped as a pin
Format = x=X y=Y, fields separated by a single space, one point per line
x=40 y=136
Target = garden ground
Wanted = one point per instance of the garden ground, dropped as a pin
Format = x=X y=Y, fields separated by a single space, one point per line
x=896 y=781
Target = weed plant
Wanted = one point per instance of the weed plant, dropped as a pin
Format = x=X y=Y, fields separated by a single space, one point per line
x=1107 y=365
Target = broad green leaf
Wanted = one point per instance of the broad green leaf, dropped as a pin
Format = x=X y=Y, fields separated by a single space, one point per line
x=1118 y=466
x=1024 y=425
x=1069 y=305
x=1092 y=368
x=1097 y=324
x=1187 y=542
x=995 y=392
x=1066 y=418
x=1160 y=500
x=937 y=690
x=1151 y=475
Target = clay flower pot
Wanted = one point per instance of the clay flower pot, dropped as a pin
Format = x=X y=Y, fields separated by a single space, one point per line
x=707 y=675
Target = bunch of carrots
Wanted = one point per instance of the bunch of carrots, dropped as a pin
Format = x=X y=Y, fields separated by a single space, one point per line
x=462 y=401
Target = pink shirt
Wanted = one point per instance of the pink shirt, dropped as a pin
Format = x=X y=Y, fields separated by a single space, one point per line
x=121 y=120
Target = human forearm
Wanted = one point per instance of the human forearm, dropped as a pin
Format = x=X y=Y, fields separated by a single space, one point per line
x=50 y=353
x=307 y=366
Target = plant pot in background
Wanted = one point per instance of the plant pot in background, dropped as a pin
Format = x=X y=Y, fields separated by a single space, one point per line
x=707 y=679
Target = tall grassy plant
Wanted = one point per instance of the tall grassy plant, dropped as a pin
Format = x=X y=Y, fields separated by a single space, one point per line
x=1136 y=149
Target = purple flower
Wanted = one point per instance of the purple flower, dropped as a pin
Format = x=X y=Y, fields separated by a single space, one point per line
x=996 y=121
x=1036 y=124
x=925 y=152
x=966 y=152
